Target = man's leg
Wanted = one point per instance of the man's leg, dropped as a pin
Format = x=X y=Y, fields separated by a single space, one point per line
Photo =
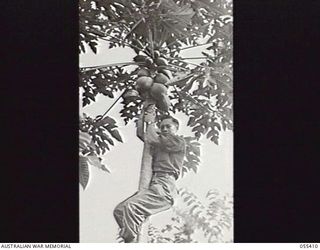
x=131 y=213
x=119 y=211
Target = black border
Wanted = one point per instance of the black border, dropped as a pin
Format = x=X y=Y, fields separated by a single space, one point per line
x=40 y=191
x=276 y=60
x=276 y=119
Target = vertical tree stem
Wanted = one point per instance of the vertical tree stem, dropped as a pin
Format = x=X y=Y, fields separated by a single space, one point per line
x=146 y=164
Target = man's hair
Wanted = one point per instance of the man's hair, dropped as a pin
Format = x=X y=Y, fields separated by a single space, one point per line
x=174 y=120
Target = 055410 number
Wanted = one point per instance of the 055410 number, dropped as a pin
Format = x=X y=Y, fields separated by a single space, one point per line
x=308 y=245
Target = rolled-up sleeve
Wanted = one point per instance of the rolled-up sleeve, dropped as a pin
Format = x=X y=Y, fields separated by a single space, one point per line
x=172 y=143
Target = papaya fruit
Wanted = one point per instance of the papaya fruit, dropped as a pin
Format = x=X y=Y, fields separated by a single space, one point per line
x=160 y=61
x=166 y=72
x=130 y=93
x=161 y=78
x=163 y=103
x=143 y=72
x=140 y=58
x=156 y=53
x=149 y=62
x=158 y=90
x=143 y=84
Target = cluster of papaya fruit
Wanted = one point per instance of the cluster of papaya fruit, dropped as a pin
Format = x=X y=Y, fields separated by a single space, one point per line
x=152 y=81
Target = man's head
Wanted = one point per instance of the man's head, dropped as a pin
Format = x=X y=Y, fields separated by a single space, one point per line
x=169 y=125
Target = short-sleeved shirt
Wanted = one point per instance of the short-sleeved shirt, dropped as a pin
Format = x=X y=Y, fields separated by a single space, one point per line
x=168 y=154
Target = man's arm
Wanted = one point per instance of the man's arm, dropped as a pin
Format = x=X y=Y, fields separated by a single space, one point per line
x=169 y=143
x=152 y=135
x=172 y=143
x=147 y=116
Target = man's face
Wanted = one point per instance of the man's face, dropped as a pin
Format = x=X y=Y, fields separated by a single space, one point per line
x=167 y=126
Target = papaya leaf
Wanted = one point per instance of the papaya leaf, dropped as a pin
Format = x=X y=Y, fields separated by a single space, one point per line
x=84 y=173
x=115 y=133
x=205 y=97
x=94 y=161
x=104 y=168
x=84 y=137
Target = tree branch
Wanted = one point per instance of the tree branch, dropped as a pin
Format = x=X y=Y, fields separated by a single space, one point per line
x=89 y=68
x=114 y=103
x=192 y=46
x=95 y=32
x=194 y=58
x=176 y=66
x=182 y=60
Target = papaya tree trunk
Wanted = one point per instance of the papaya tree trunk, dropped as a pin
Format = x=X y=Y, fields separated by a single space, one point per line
x=146 y=170
x=146 y=162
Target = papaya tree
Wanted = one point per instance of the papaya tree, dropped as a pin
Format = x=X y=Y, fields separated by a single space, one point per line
x=159 y=32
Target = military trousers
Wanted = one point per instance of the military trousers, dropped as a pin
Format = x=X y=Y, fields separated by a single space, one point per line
x=133 y=211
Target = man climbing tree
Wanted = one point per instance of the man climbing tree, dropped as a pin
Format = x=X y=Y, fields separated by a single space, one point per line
x=159 y=78
x=168 y=151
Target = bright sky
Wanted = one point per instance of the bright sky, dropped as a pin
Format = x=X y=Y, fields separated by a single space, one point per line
x=106 y=190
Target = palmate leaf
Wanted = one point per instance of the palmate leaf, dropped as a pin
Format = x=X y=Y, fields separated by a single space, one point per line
x=208 y=101
x=105 y=16
x=87 y=15
x=131 y=108
x=105 y=81
x=102 y=130
x=192 y=156
x=204 y=124
x=175 y=21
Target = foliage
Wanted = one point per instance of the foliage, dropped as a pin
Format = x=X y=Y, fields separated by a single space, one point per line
x=105 y=82
x=103 y=131
x=93 y=140
x=192 y=157
x=213 y=218
x=97 y=136
x=131 y=108
x=161 y=28
x=168 y=26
